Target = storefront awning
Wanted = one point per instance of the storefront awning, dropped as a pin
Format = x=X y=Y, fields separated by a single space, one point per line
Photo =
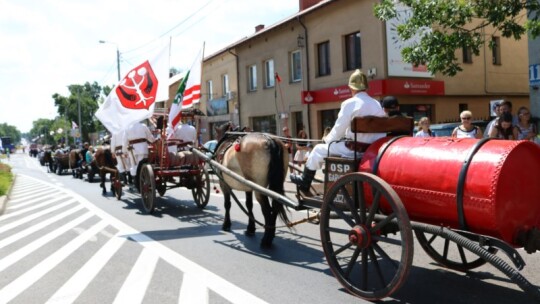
x=378 y=87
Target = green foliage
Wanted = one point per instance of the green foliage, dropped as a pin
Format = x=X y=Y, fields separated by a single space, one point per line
x=86 y=97
x=11 y=131
x=6 y=178
x=457 y=24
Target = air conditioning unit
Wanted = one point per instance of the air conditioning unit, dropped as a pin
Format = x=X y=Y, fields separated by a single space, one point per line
x=230 y=95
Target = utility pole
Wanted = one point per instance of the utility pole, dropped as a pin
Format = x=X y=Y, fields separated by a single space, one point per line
x=118 y=62
x=79 y=109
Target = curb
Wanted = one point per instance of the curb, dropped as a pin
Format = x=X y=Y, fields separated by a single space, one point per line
x=5 y=198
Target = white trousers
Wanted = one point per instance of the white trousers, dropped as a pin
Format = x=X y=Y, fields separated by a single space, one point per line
x=320 y=151
x=138 y=158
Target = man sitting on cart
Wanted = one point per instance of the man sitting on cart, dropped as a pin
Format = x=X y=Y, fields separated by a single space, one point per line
x=359 y=105
x=136 y=141
x=187 y=134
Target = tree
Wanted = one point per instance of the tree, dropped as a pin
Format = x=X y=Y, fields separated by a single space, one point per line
x=40 y=132
x=446 y=26
x=10 y=131
x=88 y=96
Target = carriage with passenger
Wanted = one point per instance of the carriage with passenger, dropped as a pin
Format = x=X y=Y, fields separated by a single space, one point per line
x=463 y=199
x=164 y=170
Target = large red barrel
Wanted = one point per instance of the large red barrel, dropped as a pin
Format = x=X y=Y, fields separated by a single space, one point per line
x=501 y=195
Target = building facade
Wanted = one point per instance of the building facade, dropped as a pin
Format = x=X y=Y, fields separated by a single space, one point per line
x=294 y=73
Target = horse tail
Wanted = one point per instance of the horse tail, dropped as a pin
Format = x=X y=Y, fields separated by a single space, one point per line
x=276 y=176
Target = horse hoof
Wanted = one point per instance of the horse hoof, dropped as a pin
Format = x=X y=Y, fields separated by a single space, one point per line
x=249 y=233
x=266 y=244
x=227 y=229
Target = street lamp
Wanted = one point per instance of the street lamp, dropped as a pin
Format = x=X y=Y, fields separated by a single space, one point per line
x=117 y=56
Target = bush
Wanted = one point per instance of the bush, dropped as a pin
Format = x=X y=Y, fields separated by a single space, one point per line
x=6 y=178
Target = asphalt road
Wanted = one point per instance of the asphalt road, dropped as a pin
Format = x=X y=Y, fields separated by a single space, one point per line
x=180 y=253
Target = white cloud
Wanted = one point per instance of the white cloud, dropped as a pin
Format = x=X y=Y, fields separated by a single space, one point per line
x=50 y=44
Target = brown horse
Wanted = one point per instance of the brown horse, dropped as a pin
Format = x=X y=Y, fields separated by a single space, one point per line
x=258 y=158
x=106 y=162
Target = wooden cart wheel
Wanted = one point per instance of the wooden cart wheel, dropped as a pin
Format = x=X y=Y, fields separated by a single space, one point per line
x=450 y=256
x=370 y=248
x=201 y=194
x=147 y=187
x=117 y=184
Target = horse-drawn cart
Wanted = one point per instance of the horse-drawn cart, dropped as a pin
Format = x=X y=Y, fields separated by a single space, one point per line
x=163 y=170
x=466 y=201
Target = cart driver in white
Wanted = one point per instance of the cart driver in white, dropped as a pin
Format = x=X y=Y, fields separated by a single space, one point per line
x=188 y=134
x=359 y=105
x=136 y=141
x=122 y=157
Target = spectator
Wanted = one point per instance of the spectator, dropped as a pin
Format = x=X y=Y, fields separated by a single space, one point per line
x=287 y=142
x=498 y=112
x=525 y=129
x=301 y=148
x=467 y=129
x=326 y=132
x=503 y=129
x=423 y=128
x=390 y=106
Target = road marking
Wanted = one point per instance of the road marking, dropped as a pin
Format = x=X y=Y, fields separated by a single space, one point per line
x=73 y=288
x=136 y=284
x=15 y=205
x=26 y=280
x=31 y=198
x=192 y=290
x=32 y=217
x=31 y=247
x=192 y=271
x=21 y=234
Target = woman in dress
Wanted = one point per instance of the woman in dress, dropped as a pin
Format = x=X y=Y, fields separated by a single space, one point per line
x=467 y=129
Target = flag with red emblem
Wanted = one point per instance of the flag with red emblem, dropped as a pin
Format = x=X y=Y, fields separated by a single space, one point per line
x=134 y=97
x=189 y=91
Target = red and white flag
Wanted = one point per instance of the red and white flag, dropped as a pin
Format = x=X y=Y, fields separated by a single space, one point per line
x=133 y=98
x=189 y=91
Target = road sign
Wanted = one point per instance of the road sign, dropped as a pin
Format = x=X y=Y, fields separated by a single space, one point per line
x=534 y=74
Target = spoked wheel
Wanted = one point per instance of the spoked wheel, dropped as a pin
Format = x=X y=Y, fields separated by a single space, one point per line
x=117 y=185
x=450 y=256
x=369 y=248
x=148 y=188
x=201 y=194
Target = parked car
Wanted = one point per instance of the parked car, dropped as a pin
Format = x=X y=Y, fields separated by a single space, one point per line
x=211 y=147
x=445 y=129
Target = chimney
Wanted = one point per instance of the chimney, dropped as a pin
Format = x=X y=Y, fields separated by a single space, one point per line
x=259 y=27
x=303 y=4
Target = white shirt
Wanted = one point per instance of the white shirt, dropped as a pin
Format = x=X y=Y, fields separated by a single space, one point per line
x=137 y=131
x=184 y=132
x=117 y=139
x=422 y=133
x=361 y=105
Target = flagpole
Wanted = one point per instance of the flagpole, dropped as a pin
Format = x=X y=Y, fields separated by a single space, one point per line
x=198 y=127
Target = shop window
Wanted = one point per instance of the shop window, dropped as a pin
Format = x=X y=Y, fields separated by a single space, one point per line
x=266 y=124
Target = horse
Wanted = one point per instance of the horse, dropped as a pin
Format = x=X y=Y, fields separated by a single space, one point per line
x=106 y=162
x=48 y=160
x=258 y=158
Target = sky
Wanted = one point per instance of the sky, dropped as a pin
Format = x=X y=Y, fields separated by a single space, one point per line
x=47 y=45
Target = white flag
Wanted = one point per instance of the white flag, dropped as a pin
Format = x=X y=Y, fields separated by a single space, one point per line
x=189 y=91
x=134 y=97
